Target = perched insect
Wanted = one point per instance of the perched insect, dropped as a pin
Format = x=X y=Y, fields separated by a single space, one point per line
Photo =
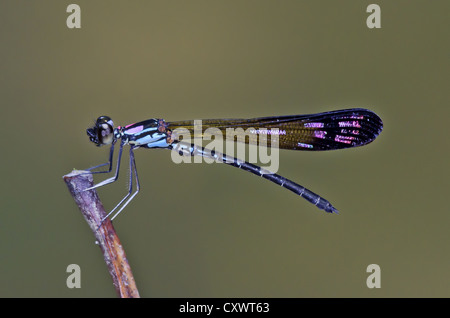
x=324 y=131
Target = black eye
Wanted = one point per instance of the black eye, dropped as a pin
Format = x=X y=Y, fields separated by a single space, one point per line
x=103 y=120
x=102 y=133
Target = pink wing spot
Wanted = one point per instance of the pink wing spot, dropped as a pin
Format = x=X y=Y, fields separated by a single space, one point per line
x=134 y=130
x=313 y=125
x=349 y=124
x=300 y=144
x=344 y=139
x=320 y=134
x=352 y=132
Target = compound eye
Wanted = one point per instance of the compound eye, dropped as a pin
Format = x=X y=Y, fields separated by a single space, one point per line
x=103 y=131
x=106 y=134
x=104 y=120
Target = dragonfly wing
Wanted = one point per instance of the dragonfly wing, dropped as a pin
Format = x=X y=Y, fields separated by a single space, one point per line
x=323 y=131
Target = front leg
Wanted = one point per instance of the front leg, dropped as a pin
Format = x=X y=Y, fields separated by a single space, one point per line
x=116 y=176
x=110 y=161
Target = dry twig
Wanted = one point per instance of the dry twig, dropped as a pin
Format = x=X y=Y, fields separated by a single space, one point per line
x=106 y=237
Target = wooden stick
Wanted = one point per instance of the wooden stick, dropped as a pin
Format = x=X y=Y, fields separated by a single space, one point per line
x=105 y=235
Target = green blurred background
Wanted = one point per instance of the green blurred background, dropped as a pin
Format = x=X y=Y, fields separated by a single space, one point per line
x=207 y=230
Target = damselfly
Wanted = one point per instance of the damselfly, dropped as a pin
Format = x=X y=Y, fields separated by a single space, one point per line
x=324 y=131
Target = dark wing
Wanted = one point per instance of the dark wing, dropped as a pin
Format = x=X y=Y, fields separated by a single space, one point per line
x=324 y=131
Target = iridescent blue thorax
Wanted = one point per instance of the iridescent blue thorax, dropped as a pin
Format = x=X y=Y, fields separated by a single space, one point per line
x=150 y=133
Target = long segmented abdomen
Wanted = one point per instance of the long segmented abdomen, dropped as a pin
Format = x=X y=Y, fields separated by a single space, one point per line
x=186 y=149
